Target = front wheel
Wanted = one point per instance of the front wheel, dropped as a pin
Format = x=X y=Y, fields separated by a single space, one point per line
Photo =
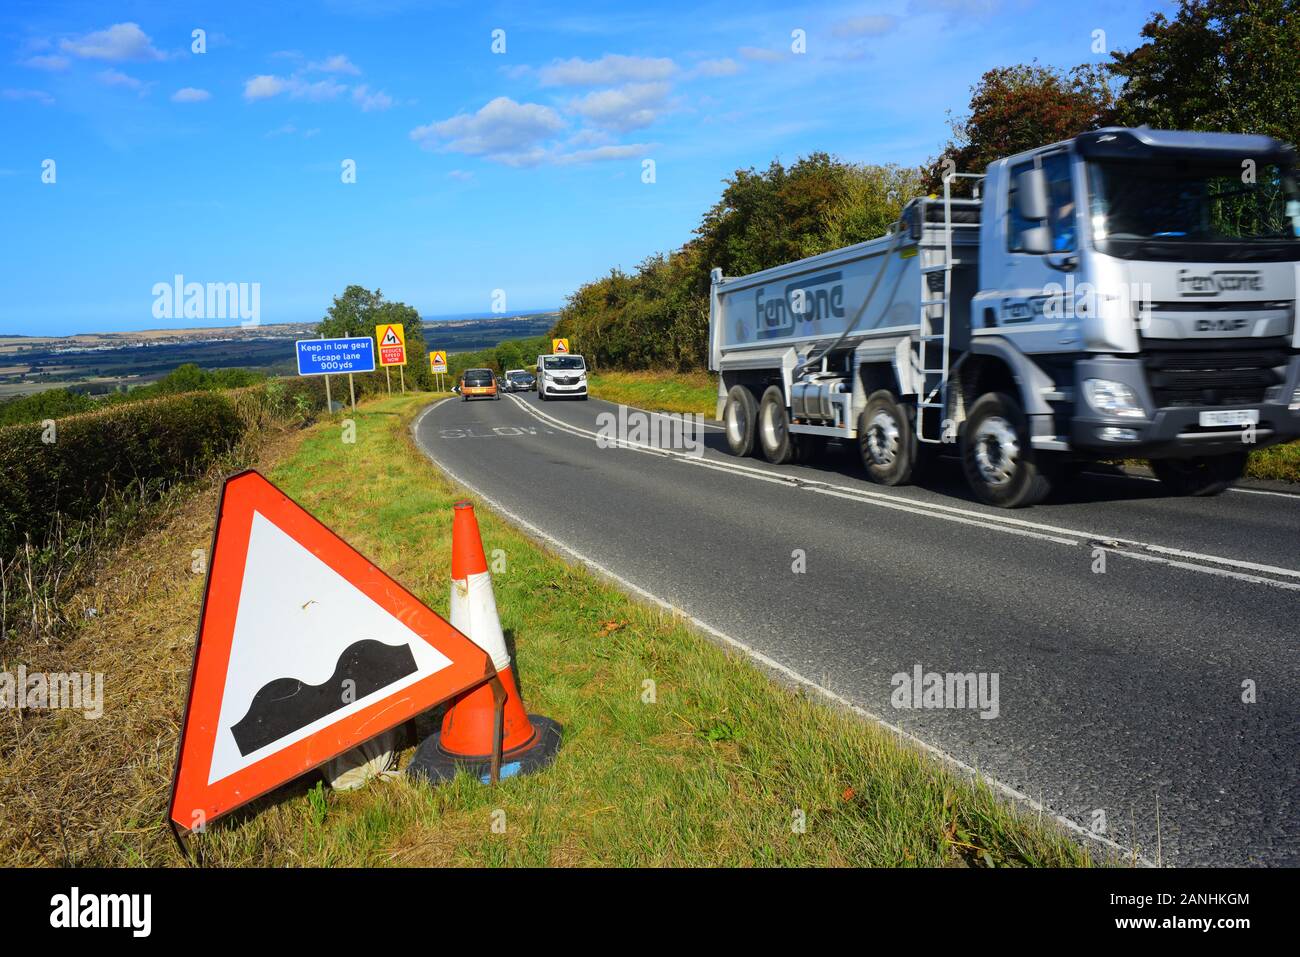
x=1204 y=475
x=997 y=457
x=541 y=395
x=885 y=440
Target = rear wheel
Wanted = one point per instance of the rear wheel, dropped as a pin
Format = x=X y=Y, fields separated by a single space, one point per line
x=885 y=440
x=997 y=457
x=774 y=427
x=1204 y=475
x=739 y=416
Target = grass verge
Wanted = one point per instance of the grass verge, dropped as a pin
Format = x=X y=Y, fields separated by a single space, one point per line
x=697 y=392
x=658 y=391
x=676 y=752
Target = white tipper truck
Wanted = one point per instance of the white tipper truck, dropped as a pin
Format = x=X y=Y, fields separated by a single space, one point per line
x=1128 y=293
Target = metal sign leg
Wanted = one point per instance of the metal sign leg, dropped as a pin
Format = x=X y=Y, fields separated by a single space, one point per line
x=498 y=727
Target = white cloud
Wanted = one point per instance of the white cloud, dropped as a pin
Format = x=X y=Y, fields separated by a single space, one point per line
x=625 y=108
x=118 y=78
x=39 y=96
x=610 y=68
x=872 y=25
x=268 y=85
x=503 y=130
x=461 y=175
x=723 y=67
x=762 y=54
x=601 y=154
x=379 y=100
x=261 y=87
x=335 y=64
x=52 y=62
x=190 y=94
x=121 y=41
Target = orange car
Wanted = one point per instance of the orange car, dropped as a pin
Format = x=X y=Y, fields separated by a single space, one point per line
x=479 y=384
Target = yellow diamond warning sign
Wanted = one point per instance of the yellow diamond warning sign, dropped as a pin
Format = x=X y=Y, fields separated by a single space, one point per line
x=392 y=344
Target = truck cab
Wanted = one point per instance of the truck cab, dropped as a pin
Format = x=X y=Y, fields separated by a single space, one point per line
x=1150 y=278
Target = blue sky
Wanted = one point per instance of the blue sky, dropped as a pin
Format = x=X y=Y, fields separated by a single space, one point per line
x=475 y=170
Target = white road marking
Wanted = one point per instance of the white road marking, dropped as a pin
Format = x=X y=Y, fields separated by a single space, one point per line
x=1174 y=557
x=772 y=664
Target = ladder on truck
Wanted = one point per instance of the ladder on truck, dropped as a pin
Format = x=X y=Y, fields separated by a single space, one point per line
x=933 y=353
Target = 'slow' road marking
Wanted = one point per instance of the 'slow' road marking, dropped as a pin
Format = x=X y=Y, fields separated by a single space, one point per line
x=1251 y=572
x=771 y=664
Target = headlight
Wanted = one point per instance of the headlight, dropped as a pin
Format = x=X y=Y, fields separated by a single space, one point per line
x=1112 y=398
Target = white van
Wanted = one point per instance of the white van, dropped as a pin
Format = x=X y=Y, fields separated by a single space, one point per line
x=561 y=375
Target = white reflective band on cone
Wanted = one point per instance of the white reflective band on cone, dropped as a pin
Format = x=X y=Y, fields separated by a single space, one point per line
x=474 y=614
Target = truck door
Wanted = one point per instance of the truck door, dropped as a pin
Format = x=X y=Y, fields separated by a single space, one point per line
x=1035 y=303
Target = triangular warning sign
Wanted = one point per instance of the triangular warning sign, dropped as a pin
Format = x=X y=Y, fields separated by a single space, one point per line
x=390 y=338
x=305 y=650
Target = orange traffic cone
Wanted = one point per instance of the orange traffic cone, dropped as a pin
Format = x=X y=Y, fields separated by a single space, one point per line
x=529 y=742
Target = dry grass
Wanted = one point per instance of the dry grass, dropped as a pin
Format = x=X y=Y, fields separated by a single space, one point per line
x=90 y=791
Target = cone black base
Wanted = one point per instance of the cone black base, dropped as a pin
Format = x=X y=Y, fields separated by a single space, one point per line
x=431 y=763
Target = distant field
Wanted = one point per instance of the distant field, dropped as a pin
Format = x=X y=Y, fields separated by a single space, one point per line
x=105 y=362
x=473 y=334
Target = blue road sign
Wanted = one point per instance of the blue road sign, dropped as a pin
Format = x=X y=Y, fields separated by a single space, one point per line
x=329 y=356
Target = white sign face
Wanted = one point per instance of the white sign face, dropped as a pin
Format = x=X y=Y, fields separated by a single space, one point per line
x=309 y=649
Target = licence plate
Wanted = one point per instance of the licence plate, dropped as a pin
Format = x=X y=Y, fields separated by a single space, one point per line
x=1233 y=417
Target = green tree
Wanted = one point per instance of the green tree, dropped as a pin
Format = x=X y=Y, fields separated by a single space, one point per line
x=657 y=316
x=1022 y=107
x=1220 y=65
x=357 y=312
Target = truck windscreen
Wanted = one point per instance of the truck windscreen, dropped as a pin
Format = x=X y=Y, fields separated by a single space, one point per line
x=1183 y=210
x=564 y=363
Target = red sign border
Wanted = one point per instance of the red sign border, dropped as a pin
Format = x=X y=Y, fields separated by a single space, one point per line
x=470 y=665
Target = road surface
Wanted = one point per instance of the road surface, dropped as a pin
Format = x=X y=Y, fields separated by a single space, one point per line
x=1125 y=627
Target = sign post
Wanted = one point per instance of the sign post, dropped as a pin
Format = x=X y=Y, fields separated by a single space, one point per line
x=352 y=392
x=329 y=402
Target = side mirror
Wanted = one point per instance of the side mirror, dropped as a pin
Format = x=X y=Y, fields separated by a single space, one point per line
x=1036 y=239
x=1031 y=195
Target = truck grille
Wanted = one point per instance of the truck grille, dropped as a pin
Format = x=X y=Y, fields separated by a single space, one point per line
x=1219 y=372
